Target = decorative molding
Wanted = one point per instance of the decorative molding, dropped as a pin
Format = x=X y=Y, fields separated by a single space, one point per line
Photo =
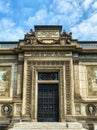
x=78 y=97
x=48 y=54
x=68 y=88
x=32 y=68
x=28 y=89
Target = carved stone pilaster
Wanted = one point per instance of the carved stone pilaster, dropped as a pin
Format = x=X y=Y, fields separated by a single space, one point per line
x=68 y=88
x=24 y=104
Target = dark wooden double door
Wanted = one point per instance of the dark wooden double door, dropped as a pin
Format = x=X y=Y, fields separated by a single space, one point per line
x=48 y=103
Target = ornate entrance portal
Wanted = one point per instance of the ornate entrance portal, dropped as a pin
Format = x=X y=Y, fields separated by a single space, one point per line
x=48 y=103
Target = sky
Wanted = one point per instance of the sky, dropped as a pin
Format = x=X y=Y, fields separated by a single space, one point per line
x=77 y=16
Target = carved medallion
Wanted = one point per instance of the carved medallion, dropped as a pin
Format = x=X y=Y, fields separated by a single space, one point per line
x=6 y=109
x=90 y=109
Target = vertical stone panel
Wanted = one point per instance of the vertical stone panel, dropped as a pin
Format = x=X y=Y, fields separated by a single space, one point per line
x=28 y=88
x=15 y=80
x=82 y=81
x=68 y=88
x=64 y=93
x=76 y=79
x=61 y=96
x=24 y=88
x=19 y=78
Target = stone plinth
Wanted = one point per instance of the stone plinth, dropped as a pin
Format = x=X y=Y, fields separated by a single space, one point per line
x=95 y=126
x=48 y=126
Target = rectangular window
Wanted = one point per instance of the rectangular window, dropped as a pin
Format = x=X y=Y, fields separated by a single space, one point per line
x=47 y=75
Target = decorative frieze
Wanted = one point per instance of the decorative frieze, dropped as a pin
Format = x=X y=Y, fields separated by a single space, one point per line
x=48 y=54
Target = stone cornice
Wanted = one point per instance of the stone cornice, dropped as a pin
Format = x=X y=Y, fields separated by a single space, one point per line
x=7 y=51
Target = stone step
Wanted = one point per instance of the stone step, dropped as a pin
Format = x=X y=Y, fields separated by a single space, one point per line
x=48 y=126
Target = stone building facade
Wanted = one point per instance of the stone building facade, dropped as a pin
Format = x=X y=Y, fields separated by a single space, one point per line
x=48 y=77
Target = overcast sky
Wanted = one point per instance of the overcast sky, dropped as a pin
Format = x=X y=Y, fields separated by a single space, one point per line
x=77 y=16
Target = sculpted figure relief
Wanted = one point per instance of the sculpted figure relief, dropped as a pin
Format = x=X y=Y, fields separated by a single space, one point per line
x=30 y=37
x=30 y=33
x=91 y=109
x=66 y=37
x=47 y=37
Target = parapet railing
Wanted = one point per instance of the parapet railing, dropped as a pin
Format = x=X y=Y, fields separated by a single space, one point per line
x=82 y=44
x=8 y=45
x=88 y=44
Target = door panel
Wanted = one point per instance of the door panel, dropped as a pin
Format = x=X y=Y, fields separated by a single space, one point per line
x=48 y=103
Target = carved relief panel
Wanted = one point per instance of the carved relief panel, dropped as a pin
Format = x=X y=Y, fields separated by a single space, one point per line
x=5 y=76
x=92 y=80
x=87 y=80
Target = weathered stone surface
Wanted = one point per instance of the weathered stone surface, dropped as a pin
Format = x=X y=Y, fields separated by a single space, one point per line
x=95 y=126
x=48 y=126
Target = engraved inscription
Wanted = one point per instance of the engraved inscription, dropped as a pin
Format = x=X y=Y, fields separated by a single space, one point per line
x=48 y=54
x=47 y=34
